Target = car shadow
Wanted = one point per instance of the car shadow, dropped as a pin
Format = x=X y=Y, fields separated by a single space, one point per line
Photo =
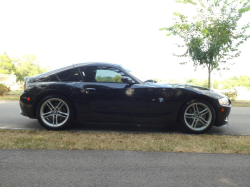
x=137 y=128
x=128 y=128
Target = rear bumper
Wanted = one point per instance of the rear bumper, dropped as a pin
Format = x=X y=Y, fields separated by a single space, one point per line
x=27 y=110
x=22 y=109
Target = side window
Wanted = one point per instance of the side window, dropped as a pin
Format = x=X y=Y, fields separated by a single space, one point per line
x=108 y=76
x=70 y=75
x=102 y=74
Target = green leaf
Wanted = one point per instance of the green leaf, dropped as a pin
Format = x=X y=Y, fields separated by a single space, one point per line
x=245 y=9
x=185 y=2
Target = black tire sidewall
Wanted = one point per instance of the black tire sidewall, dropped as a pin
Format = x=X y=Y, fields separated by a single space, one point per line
x=66 y=124
x=182 y=121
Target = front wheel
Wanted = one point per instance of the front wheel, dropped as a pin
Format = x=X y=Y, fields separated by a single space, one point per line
x=197 y=116
x=55 y=112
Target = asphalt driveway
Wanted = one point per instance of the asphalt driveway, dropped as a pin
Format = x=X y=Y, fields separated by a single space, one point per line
x=121 y=168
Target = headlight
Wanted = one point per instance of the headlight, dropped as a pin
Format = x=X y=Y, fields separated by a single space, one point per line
x=224 y=101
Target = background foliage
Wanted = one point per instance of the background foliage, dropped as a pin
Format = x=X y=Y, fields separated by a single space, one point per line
x=6 y=65
x=26 y=66
x=4 y=89
x=213 y=35
x=232 y=95
x=228 y=83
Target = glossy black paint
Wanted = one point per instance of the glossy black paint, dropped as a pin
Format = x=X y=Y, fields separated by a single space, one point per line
x=118 y=102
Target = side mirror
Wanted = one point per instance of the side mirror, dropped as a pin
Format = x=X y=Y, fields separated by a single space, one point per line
x=127 y=80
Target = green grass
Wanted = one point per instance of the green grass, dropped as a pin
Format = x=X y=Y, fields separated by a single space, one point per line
x=11 y=96
x=28 y=139
x=14 y=92
x=3 y=98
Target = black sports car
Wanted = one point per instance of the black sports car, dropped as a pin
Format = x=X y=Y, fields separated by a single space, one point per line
x=103 y=92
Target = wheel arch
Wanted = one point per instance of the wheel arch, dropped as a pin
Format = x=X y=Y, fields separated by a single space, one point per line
x=201 y=97
x=52 y=93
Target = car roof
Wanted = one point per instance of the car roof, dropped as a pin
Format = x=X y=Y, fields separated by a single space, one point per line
x=95 y=64
x=75 y=66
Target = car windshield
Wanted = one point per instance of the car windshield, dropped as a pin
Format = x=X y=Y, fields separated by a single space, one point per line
x=137 y=75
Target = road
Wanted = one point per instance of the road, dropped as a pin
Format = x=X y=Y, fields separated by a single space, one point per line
x=121 y=168
x=11 y=119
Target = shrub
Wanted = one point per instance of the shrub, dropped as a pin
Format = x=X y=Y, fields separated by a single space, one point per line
x=21 y=88
x=232 y=95
x=4 y=89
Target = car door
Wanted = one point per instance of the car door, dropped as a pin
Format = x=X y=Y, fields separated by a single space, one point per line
x=105 y=98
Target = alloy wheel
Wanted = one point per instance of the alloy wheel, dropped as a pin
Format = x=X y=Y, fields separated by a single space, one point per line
x=197 y=116
x=54 y=112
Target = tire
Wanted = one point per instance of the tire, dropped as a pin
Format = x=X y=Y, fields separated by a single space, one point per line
x=55 y=112
x=197 y=116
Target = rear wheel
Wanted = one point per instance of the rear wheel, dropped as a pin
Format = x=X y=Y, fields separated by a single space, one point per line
x=198 y=116
x=55 y=112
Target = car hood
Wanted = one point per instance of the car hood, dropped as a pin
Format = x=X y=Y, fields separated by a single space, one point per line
x=192 y=88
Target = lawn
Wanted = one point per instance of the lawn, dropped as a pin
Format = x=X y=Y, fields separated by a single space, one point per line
x=11 y=96
x=61 y=140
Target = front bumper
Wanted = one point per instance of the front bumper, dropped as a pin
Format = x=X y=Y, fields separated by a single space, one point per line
x=222 y=118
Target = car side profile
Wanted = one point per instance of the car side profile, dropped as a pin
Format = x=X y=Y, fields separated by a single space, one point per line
x=104 y=92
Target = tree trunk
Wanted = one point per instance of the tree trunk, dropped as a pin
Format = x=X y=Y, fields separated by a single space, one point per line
x=209 y=76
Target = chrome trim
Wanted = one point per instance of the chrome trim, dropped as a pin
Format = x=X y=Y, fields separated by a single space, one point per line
x=226 y=119
x=223 y=125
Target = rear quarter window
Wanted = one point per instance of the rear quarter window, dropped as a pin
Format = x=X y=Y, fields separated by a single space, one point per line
x=51 y=78
x=72 y=75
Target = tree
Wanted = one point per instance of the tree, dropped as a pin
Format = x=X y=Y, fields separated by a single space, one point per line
x=6 y=65
x=117 y=78
x=28 y=66
x=212 y=37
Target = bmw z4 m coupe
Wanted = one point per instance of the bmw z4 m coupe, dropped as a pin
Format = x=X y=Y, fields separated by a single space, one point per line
x=104 y=92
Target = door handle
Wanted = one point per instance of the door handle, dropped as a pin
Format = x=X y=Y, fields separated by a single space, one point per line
x=90 y=90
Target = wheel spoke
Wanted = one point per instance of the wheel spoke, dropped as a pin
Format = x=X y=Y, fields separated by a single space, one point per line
x=194 y=109
x=48 y=114
x=203 y=121
x=195 y=123
x=197 y=109
x=188 y=115
x=59 y=106
x=49 y=104
x=56 y=119
x=53 y=119
x=203 y=112
x=62 y=114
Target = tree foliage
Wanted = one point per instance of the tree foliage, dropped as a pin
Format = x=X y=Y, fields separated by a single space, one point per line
x=212 y=37
x=117 y=78
x=6 y=65
x=28 y=66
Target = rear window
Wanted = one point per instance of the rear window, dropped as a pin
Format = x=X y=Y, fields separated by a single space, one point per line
x=70 y=75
